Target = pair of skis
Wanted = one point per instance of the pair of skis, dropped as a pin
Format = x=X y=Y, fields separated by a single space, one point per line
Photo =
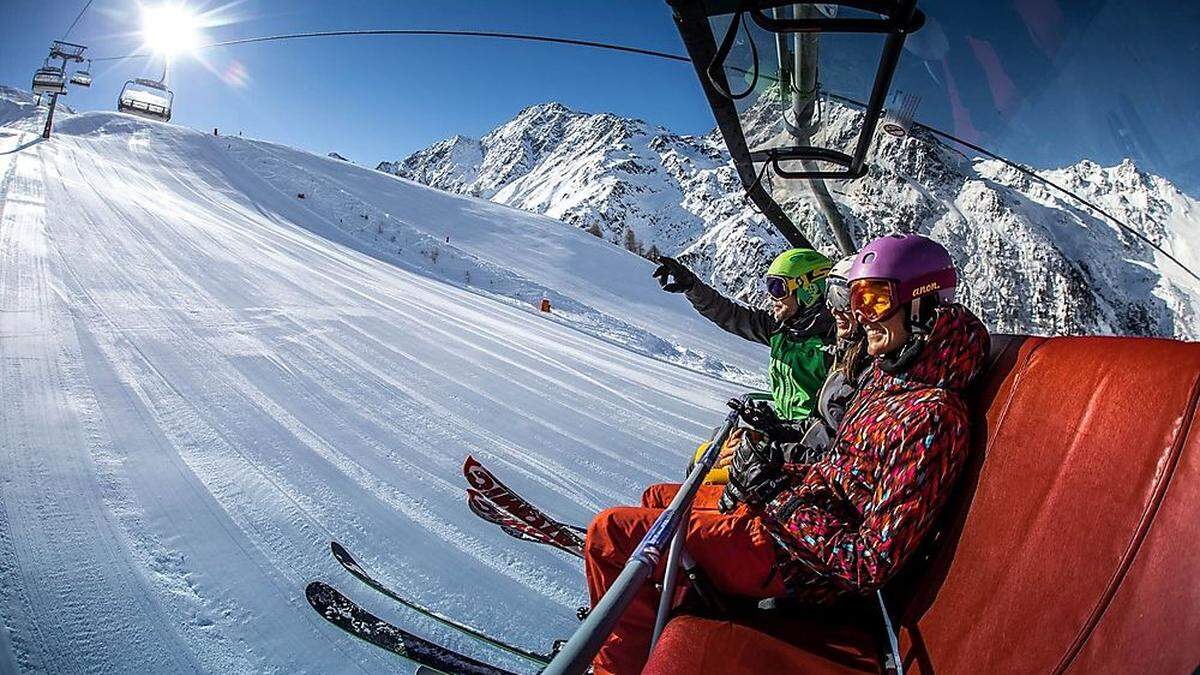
x=489 y=499
x=497 y=503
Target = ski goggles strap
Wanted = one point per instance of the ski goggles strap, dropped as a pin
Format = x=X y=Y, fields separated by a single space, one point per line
x=873 y=300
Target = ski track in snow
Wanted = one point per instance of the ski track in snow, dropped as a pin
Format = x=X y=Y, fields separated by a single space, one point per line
x=205 y=379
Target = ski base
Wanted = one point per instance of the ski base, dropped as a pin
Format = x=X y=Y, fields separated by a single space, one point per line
x=344 y=613
x=353 y=567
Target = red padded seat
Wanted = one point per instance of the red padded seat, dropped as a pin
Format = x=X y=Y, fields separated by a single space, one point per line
x=1070 y=546
x=691 y=645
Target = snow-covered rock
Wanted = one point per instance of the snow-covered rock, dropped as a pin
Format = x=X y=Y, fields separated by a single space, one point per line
x=1032 y=259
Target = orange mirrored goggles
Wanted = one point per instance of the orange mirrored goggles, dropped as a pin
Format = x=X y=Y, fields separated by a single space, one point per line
x=872 y=300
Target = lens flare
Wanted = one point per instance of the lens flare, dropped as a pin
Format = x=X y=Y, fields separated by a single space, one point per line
x=170 y=29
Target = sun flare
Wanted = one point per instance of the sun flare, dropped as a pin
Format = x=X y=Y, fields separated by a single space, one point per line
x=170 y=28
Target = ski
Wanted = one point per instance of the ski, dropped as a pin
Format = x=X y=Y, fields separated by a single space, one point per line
x=353 y=567
x=503 y=497
x=352 y=618
x=489 y=511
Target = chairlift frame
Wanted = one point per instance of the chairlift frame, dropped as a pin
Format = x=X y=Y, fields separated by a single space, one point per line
x=54 y=78
x=133 y=106
x=897 y=19
x=67 y=51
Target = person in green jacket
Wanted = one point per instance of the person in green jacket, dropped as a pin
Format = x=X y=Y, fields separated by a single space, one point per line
x=797 y=327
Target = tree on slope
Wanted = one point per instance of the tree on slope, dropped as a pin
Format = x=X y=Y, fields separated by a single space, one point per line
x=631 y=242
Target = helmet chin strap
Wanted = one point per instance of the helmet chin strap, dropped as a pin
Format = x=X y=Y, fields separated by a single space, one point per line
x=919 y=319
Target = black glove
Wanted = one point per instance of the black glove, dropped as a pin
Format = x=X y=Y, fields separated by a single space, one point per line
x=758 y=415
x=670 y=267
x=755 y=475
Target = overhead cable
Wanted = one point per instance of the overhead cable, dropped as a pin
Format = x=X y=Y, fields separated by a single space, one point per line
x=669 y=57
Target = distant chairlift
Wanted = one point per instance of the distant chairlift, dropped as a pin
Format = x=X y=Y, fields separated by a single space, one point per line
x=49 y=80
x=146 y=98
x=83 y=77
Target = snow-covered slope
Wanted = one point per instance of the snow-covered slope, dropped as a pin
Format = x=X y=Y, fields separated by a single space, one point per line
x=1033 y=260
x=205 y=377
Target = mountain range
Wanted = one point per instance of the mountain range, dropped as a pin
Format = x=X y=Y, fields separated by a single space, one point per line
x=1031 y=259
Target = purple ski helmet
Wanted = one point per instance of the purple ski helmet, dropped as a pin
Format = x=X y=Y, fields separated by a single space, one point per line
x=912 y=266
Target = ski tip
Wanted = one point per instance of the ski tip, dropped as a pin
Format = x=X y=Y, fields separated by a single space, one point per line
x=318 y=592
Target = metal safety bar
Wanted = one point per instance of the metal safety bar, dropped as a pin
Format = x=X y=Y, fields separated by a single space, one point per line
x=678 y=558
x=577 y=654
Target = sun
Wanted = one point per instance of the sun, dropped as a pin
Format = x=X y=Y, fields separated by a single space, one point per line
x=170 y=28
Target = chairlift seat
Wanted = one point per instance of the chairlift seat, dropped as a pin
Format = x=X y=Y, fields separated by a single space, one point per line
x=1069 y=545
x=49 y=81
x=146 y=98
x=83 y=76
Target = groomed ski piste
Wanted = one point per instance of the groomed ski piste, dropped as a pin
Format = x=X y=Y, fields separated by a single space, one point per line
x=205 y=378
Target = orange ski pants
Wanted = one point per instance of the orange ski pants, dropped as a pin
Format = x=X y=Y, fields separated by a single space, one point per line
x=734 y=550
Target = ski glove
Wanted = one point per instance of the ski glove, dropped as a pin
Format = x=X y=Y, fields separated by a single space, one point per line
x=755 y=475
x=762 y=417
x=669 y=268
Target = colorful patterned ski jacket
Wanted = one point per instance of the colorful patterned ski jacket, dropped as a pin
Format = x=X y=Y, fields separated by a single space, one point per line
x=854 y=516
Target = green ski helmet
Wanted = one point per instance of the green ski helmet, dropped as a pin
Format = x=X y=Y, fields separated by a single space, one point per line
x=801 y=271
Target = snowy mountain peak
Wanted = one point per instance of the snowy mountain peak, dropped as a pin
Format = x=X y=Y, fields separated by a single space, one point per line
x=640 y=186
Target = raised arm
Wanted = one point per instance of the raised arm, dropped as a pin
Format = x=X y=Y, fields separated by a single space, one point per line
x=753 y=324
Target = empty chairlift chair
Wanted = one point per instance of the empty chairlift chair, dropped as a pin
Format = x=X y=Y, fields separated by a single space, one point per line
x=83 y=76
x=49 y=80
x=146 y=98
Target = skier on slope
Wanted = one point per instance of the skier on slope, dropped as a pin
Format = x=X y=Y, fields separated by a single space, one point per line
x=844 y=524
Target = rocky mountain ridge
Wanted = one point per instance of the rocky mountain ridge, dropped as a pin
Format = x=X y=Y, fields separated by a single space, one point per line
x=1032 y=260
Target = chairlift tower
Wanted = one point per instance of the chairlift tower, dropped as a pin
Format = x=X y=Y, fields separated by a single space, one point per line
x=51 y=79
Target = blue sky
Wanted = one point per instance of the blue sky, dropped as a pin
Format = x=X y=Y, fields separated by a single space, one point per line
x=378 y=98
x=1042 y=81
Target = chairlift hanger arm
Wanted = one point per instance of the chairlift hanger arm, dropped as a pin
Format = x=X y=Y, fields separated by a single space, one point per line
x=692 y=23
